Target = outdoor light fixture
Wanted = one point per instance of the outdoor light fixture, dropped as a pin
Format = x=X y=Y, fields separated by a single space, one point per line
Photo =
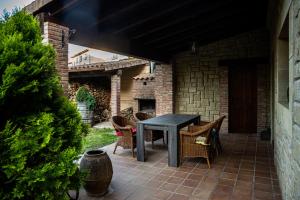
x=194 y=47
x=62 y=39
x=72 y=33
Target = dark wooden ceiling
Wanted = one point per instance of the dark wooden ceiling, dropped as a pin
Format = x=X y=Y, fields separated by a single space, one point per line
x=155 y=29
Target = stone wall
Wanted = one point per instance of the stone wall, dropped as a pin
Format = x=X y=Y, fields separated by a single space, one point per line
x=286 y=122
x=202 y=84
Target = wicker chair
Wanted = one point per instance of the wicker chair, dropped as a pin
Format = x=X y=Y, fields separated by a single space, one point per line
x=150 y=136
x=126 y=132
x=216 y=143
x=189 y=145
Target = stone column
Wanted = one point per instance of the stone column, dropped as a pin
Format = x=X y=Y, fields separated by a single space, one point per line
x=115 y=94
x=57 y=36
x=164 y=89
x=295 y=60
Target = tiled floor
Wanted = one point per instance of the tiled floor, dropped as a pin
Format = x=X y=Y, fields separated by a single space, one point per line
x=244 y=171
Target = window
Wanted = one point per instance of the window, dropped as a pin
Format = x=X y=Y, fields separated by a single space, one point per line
x=80 y=59
x=283 y=65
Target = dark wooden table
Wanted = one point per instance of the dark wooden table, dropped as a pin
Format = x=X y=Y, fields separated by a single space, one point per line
x=170 y=123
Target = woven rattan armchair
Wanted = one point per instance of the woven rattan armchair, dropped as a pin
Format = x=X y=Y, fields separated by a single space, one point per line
x=126 y=132
x=216 y=143
x=150 y=135
x=191 y=148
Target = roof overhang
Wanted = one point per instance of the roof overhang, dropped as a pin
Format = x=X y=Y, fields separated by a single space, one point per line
x=152 y=29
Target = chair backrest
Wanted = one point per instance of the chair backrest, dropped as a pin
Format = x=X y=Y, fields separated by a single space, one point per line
x=140 y=116
x=118 y=121
x=220 y=121
x=211 y=130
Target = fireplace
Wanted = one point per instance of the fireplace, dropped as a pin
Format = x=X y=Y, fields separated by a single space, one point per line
x=147 y=106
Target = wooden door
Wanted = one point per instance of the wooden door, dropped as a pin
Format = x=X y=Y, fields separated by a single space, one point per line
x=242 y=98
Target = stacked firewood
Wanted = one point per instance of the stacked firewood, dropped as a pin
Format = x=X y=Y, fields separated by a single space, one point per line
x=127 y=113
x=102 y=111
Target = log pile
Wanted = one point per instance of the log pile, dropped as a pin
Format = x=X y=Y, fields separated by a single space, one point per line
x=102 y=111
x=128 y=113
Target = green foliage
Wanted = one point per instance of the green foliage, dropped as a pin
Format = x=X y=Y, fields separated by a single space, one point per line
x=40 y=130
x=83 y=95
x=97 y=138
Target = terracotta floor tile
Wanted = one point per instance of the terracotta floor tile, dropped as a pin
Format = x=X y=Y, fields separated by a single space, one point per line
x=263 y=195
x=228 y=182
x=229 y=175
x=263 y=187
x=154 y=184
x=167 y=172
x=243 y=185
x=239 y=196
x=180 y=174
x=195 y=177
x=219 y=196
x=161 y=194
x=190 y=183
x=245 y=178
x=175 y=180
x=263 y=174
x=178 y=197
x=263 y=180
x=202 y=192
x=188 y=191
x=169 y=187
x=161 y=177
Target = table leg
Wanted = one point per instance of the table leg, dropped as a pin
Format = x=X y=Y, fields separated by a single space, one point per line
x=197 y=120
x=140 y=146
x=173 y=146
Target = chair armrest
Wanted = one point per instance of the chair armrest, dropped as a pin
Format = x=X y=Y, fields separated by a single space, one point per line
x=202 y=123
x=193 y=134
x=132 y=123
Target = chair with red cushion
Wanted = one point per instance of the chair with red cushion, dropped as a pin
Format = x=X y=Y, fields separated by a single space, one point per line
x=126 y=132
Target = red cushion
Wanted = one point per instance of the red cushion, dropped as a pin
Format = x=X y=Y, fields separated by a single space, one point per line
x=133 y=130
x=119 y=133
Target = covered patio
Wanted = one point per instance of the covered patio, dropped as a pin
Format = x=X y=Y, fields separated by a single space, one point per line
x=235 y=58
x=245 y=170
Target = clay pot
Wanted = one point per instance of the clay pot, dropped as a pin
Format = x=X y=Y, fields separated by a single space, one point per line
x=98 y=167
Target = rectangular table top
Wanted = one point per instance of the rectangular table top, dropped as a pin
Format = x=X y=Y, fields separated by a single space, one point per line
x=169 y=120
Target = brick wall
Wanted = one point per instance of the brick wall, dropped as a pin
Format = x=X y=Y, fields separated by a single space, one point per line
x=202 y=85
x=158 y=86
x=53 y=34
x=164 y=89
x=115 y=95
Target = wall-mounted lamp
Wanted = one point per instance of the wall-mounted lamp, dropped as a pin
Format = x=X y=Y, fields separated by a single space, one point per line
x=72 y=33
x=62 y=39
x=119 y=72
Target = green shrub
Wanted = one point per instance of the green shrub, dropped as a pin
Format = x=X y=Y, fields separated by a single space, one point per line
x=40 y=130
x=83 y=95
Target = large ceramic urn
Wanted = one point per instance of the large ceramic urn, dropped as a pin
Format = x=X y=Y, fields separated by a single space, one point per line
x=98 y=168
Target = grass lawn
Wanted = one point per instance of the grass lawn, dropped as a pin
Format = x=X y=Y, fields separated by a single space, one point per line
x=98 y=138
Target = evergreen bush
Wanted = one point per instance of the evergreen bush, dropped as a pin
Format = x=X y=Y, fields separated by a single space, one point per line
x=83 y=95
x=40 y=130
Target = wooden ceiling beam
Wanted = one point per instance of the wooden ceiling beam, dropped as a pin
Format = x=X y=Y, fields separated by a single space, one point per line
x=192 y=14
x=118 y=12
x=65 y=6
x=157 y=14
x=186 y=29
